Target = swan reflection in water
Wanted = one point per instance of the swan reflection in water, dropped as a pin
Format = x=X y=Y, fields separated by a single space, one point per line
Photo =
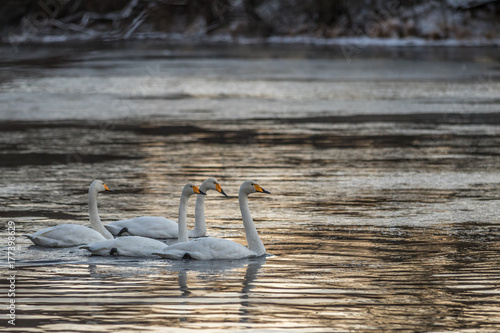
x=216 y=267
x=170 y=288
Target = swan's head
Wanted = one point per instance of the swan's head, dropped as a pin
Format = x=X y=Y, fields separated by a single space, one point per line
x=251 y=186
x=99 y=186
x=212 y=184
x=191 y=189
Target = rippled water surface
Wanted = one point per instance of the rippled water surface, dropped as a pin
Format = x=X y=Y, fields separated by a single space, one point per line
x=383 y=168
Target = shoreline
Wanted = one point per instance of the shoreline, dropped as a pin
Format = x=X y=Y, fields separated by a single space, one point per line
x=226 y=39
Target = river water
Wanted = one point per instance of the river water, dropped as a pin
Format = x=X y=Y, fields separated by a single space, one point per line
x=382 y=163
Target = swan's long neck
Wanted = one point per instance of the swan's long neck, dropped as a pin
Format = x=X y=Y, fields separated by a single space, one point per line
x=95 y=220
x=182 y=220
x=253 y=239
x=200 y=229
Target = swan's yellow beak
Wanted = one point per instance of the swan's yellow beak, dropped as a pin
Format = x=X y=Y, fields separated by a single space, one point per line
x=197 y=190
x=260 y=189
x=219 y=189
x=107 y=188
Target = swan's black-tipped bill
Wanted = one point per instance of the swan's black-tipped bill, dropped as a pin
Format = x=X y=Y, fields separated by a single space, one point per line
x=201 y=192
x=219 y=189
x=260 y=189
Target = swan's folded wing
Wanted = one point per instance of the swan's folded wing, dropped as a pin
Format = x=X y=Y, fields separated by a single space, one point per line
x=128 y=246
x=137 y=246
x=146 y=226
x=65 y=235
x=48 y=242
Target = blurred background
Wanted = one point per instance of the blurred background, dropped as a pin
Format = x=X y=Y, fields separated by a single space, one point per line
x=233 y=20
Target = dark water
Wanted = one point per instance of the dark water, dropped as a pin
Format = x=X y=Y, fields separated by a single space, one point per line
x=383 y=169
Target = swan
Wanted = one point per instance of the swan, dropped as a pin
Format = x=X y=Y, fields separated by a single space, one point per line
x=65 y=235
x=217 y=248
x=127 y=246
x=138 y=246
x=160 y=227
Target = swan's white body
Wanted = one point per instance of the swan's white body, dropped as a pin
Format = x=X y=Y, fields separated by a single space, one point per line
x=146 y=226
x=127 y=246
x=208 y=249
x=66 y=235
x=161 y=227
x=216 y=248
x=138 y=246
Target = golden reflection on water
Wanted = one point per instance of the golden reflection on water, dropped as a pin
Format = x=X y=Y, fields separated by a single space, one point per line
x=360 y=239
x=345 y=277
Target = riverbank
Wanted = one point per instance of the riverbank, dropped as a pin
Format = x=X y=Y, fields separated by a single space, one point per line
x=435 y=23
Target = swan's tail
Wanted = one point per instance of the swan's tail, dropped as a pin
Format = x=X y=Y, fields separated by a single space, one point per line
x=31 y=238
x=114 y=230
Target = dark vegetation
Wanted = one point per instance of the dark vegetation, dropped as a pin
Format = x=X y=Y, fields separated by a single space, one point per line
x=119 y=19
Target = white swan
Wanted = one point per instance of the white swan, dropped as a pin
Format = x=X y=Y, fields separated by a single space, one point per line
x=160 y=227
x=217 y=248
x=65 y=235
x=138 y=246
x=127 y=246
